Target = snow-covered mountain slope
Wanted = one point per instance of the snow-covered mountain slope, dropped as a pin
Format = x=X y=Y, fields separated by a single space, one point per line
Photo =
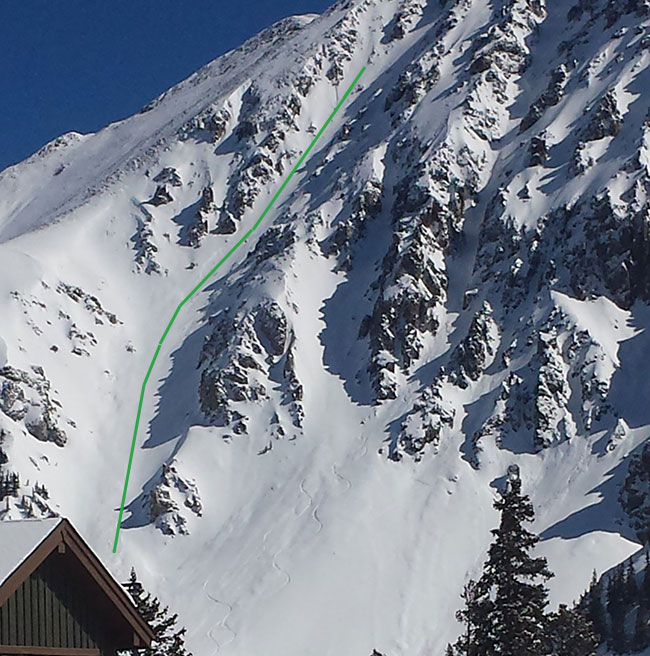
x=457 y=280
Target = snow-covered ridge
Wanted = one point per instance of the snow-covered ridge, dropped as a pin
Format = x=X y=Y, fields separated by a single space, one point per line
x=101 y=159
x=456 y=280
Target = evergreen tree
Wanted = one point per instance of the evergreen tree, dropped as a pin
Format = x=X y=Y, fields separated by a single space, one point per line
x=516 y=580
x=9 y=485
x=616 y=609
x=641 y=636
x=630 y=590
x=474 y=617
x=595 y=610
x=505 y=612
x=571 y=633
x=645 y=584
x=168 y=641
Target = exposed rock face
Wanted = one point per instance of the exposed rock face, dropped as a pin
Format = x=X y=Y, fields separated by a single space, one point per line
x=339 y=44
x=584 y=356
x=412 y=85
x=606 y=119
x=263 y=166
x=242 y=350
x=635 y=493
x=210 y=125
x=430 y=203
x=538 y=151
x=169 y=176
x=367 y=206
x=27 y=400
x=471 y=357
x=144 y=243
x=600 y=246
x=168 y=499
x=423 y=426
x=413 y=281
x=550 y=420
x=611 y=11
x=551 y=96
x=412 y=287
x=274 y=243
x=556 y=385
x=161 y=196
x=200 y=227
x=617 y=249
x=271 y=328
x=500 y=56
x=91 y=303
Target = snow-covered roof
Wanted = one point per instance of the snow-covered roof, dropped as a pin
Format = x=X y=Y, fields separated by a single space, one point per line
x=18 y=539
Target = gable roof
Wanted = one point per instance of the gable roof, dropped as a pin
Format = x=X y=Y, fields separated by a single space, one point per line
x=19 y=539
x=27 y=543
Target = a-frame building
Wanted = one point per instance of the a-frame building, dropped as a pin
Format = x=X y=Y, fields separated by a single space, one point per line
x=56 y=597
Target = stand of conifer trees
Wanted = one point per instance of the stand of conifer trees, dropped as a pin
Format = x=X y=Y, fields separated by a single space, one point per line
x=9 y=484
x=505 y=610
x=619 y=608
x=169 y=640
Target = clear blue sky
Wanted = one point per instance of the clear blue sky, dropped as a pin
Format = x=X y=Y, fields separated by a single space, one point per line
x=80 y=64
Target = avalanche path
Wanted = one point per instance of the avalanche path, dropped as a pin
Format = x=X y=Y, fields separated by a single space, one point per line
x=204 y=281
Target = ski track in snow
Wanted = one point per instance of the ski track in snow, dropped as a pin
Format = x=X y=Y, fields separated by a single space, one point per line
x=274 y=562
x=311 y=505
x=276 y=565
x=343 y=479
x=223 y=623
x=309 y=497
x=317 y=518
x=309 y=500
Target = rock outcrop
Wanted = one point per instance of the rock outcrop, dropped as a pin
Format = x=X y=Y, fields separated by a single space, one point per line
x=168 y=498
x=27 y=399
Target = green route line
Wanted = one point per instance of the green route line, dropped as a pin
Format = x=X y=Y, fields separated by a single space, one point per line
x=203 y=281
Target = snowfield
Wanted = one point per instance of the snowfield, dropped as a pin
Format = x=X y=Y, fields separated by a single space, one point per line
x=456 y=280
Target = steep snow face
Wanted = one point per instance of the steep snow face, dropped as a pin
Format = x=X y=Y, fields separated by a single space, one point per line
x=456 y=280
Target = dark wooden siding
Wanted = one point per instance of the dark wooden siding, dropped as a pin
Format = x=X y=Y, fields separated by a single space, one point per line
x=54 y=608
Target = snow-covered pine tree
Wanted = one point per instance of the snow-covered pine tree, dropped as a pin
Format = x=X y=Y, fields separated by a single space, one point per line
x=506 y=611
x=168 y=641
x=571 y=633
